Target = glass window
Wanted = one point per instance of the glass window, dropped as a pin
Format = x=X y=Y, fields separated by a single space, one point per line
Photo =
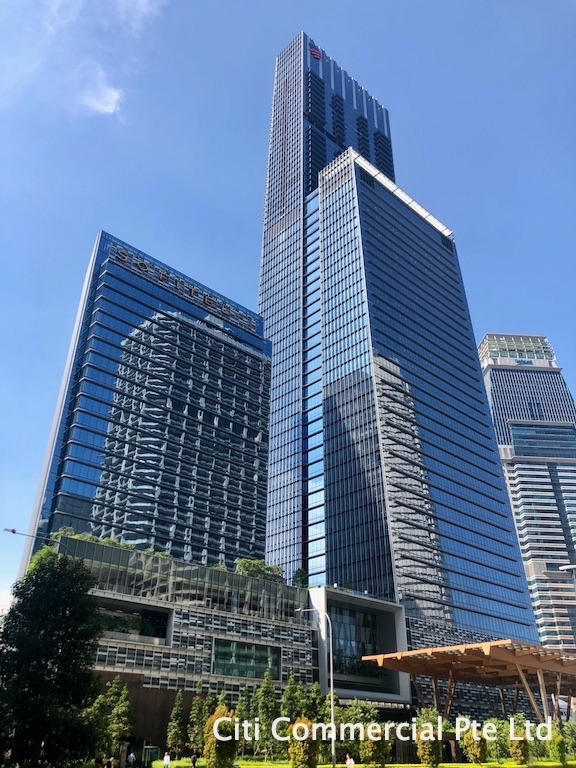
x=235 y=659
x=316 y=564
x=317 y=468
x=317 y=530
x=314 y=499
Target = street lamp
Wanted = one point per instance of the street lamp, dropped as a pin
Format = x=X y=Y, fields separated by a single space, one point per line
x=41 y=538
x=331 y=673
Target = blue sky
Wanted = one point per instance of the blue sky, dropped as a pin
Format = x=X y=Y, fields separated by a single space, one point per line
x=150 y=118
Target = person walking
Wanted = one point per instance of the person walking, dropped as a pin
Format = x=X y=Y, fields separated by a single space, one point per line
x=349 y=761
x=166 y=759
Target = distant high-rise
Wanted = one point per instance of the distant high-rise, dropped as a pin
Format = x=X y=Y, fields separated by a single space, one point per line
x=535 y=419
x=161 y=434
x=384 y=474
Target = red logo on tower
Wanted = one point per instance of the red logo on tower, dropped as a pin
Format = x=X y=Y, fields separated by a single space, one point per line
x=316 y=54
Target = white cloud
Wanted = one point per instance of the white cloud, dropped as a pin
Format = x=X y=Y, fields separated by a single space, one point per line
x=98 y=95
x=61 y=13
x=137 y=13
x=46 y=44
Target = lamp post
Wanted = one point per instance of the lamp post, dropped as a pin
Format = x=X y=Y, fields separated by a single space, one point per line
x=40 y=538
x=331 y=674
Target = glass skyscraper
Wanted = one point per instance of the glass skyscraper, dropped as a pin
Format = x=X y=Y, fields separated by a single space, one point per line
x=161 y=433
x=384 y=474
x=535 y=419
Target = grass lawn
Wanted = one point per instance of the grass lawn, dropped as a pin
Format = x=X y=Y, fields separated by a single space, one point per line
x=185 y=762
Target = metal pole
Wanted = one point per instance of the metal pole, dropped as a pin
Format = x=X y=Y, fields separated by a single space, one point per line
x=331 y=675
x=333 y=744
x=46 y=539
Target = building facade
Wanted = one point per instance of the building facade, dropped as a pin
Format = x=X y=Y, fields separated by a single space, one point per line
x=161 y=433
x=384 y=474
x=535 y=420
x=172 y=625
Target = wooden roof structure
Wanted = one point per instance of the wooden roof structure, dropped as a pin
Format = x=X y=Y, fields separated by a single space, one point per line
x=499 y=663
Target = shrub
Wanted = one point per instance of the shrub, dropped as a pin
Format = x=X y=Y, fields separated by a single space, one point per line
x=497 y=750
x=303 y=754
x=429 y=751
x=219 y=754
x=474 y=750
x=374 y=754
x=557 y=744
x=518 y=750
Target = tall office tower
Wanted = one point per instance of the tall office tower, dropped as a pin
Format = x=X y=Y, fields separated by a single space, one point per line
x=535 y=419
x=161 y=433
x=384 y=475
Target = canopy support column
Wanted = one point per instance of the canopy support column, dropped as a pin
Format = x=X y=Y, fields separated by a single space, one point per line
x=435 y=692
x=503 y=704
x=449 y=694
x=543 y=694
x=418 y=691
x=529 y=693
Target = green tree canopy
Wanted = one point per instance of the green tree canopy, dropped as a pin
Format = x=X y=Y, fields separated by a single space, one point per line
x=47 y=650
x=196 y=722
x=176 y=731
x=111 y=717
x=120 y=717
x=429 y=751
x=303 y=753
x=293 y=703
x=259 y=569
x=219 y=754
x=268 y=710
x=300 y=578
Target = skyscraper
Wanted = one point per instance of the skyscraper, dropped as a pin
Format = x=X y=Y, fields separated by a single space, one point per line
x=535 y=419
x=161 y=434
x=384 y=474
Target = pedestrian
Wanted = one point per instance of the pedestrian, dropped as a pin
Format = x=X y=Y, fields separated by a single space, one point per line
x=194 y=758
x=131 y=760
x=349 y=761
x=166 y=759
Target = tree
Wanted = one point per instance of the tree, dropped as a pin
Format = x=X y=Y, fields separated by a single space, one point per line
x=267 y=712
x=111 y=716
x=428 y=750
x=497 y=750
x=196 y=722
x=218 y=753
x=474 y=749
x=259 y=569
x=357 y=712
x=243 y=710
x=314 y=709
x=176 y=731
x=300 y=578
x=303 y=752
x=557 y=744
x=293 y=702
x=120 y=718
x=47 y=650
x=518 y=750
x=570 y=737
x=375 y=754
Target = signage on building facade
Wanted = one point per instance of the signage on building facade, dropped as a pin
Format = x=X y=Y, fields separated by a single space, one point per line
x=183 y=288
